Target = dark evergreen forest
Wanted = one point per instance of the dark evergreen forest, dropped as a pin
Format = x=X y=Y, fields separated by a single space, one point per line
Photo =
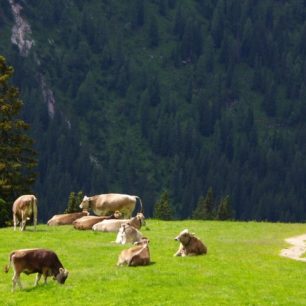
x=155 y=95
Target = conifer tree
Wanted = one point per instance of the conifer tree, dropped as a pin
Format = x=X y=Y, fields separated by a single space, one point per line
x=17 y=157
x=71 y=203
x=162 y=208
x=74 y=202
x=79 y=198
x=205 y=206
x=224 y=211
x=4 y=213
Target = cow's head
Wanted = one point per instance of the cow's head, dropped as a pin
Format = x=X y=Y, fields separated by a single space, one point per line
x=141 y=218
x=85 y=203
x=184 y=237
x=62 y=275
x=117 y=214
x=142 y=241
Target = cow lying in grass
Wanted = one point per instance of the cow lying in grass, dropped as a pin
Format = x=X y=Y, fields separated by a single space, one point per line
x=40 y=261
x=87 y=222
x=65 y=219
x=189 y=245
x=128 y=234
x=138 y=255
x=114 y=225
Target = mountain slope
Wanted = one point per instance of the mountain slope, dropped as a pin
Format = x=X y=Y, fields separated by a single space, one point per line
x=154 y=95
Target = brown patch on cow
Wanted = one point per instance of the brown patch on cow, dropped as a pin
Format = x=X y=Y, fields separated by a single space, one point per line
x=138 y=255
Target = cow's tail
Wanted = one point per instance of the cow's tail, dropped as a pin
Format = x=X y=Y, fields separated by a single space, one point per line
x=34 y=203
x=7 y=267
x=141 y=207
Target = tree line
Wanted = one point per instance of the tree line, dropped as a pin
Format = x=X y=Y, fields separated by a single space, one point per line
x=168 y=95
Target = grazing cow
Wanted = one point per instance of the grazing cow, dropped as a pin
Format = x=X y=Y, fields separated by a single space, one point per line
x=114 y=225
x=189 y=245
x=128 y=234
x=65 y=219
x=138 y=255
x=105 y=204
x=23 y=208
x=41 y=261
x=87 y=222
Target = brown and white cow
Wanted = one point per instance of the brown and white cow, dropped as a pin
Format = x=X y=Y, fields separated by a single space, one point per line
x=105 y=204
x=114 y=225
x=189 y=244
x=65 y=219
x=23 y=208
x=138 y=255
x=87 y=222
x=41 y=261
x=128 y=234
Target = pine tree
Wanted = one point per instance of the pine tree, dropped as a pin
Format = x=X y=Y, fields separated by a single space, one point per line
x=79 y=198
x=163 y=209
x=71 y=203
x=225 y=211
x=4 y=214
x=205 y=206
x=17 y=157
x=74 y=202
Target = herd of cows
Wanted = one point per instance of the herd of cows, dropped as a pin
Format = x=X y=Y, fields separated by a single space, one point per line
x=113 y=213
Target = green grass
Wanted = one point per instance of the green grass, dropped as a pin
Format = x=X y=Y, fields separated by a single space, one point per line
x=242 y=267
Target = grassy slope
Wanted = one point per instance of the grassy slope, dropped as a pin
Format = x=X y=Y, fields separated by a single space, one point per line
x=242 y=267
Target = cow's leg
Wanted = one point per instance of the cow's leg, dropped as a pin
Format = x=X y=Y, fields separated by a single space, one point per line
x=38 y=276
x=35 y=213
x=23 y=224
x=15 y=221
x=180 y=251
x=23 y=220
x=45 y=278
x=16 y=280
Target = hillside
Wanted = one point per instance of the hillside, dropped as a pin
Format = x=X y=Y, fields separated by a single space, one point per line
x=144 y=96
x=242 y=267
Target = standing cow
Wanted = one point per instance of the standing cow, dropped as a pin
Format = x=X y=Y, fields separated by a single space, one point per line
x=40 y=261
x=105 y=204
x=23 y=208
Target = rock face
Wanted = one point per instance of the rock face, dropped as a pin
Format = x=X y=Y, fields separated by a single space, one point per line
x=21 y=31
x=22 y=37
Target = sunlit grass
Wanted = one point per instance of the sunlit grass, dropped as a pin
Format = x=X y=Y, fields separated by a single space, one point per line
x=242 y=267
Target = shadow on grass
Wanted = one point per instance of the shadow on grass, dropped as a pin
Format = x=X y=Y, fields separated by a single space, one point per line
x=150 y=264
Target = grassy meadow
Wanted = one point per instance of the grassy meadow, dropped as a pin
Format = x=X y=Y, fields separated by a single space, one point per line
x=242 y=267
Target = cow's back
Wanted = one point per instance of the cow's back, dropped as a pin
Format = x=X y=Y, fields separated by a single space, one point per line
x=109 y=225
x=197 y=246
x=87 y=222
x=23 y=204
x=142 y=258
x=65 y=219
x=35 y=259
x=110 y=202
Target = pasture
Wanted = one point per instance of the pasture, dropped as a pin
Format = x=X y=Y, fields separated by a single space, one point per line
x=242 y=267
